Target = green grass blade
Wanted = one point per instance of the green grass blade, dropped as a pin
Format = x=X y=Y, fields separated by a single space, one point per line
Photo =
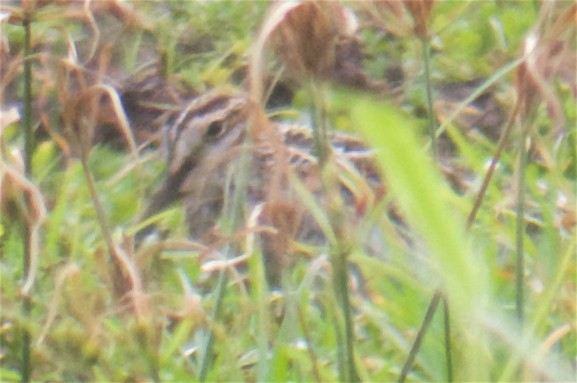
x=424 y=200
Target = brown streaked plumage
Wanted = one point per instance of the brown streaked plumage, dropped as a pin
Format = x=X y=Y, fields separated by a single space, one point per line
x=205 y=143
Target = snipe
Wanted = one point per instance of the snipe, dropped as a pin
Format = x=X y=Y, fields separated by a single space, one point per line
x=205 y=144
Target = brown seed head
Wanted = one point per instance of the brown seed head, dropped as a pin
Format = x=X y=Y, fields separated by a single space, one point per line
x=307 y=36
x=420 y=10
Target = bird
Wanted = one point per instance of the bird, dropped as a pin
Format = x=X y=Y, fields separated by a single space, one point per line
x=205 y=146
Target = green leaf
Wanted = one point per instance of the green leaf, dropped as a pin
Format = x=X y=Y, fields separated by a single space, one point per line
x=428 y=207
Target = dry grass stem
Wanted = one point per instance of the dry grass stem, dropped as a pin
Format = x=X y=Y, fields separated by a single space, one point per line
x=13 y=184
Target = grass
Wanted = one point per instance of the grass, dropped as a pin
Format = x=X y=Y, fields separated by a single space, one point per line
x=172 y=319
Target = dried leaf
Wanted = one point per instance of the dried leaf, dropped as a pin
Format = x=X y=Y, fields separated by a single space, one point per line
x=550 y=51
x=420 y=10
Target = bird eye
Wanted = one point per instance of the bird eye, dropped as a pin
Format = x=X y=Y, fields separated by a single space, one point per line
x=214 y=130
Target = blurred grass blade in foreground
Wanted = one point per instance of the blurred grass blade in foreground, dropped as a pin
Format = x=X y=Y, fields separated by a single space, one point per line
x=424 y=201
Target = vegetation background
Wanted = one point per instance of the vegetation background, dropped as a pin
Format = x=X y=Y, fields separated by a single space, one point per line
x=74 y=182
